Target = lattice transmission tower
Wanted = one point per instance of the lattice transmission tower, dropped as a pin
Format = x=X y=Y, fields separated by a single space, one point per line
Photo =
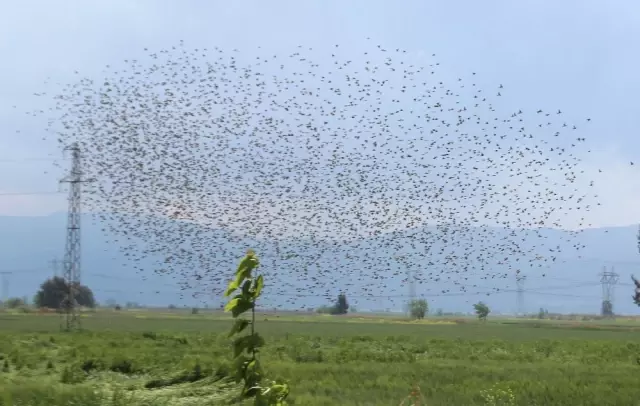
x=55 y=266
x=5 y=286
x=411 y=281
x=520 y=308
x=608 y=279
x=71 y=263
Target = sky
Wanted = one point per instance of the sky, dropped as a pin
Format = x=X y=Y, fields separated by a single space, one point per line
x=577 y=55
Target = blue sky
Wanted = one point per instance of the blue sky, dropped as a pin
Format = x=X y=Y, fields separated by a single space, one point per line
x=580 y=56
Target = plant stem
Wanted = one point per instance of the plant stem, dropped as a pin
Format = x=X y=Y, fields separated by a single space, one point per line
x=253 y=324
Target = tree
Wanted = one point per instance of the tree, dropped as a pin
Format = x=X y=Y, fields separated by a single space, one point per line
x=543 y=313
x=14 y=303
x=418 y=308
x=482 y=310
x=53 y=294
x=341 y=306
x=607 y=308
x=636 y=296
x=325 y=309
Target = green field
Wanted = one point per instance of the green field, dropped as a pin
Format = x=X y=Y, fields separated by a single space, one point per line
x=162 y=358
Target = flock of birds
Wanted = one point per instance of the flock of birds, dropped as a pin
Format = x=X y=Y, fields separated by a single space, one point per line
x=346 y=173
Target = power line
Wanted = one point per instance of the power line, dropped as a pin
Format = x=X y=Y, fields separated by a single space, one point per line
x=33 y=159
x=20 y=271
x=30 y=193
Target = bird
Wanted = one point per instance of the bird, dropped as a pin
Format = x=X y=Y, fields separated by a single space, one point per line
x=360 y=174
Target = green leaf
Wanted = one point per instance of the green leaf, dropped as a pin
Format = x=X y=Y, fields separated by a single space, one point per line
x=240 y=276
x=248 y=263
x=253 y=373
x=242 y=306
x=261 y=400
x=276 y=393
x=240 y=344
x=248 y=343
x=233 y=285
x=256 y=341
x=238 y=326
x=239 y=365
x=251 y=391
x=238 y=305
x=246 y=288
x=258 y=288
x=233 y=303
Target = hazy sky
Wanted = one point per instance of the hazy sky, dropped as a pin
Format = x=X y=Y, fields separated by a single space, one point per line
x=577 y=55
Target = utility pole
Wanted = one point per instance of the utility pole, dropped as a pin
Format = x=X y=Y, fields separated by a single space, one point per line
x=71 y=262
x=5 y=286
x=608 y=279
x=520 y=294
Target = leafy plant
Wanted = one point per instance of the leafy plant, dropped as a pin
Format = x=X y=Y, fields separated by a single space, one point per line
x=496 y=396
x=415 y=398
x=245 y=347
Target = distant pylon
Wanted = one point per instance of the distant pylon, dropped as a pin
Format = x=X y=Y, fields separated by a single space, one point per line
x=55 y=266
x=71 y=261
x=411 y=282
x=608 y=279
x=520 y=294
x=5 y=286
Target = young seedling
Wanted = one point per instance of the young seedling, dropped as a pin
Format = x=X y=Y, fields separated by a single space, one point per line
x=246 y=347
x=415 y=398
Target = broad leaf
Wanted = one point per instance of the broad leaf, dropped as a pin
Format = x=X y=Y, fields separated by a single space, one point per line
x=233 y=303
x=239 y=366
x=246 y=287
x=253 y=373
x=247 y=343
x=245 y=267
x=240 y=345
x=258 y=287
x=238 y=326
x=233 y=285
x=242 y=306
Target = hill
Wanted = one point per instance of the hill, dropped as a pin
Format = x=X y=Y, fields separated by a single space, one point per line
x=27 y=244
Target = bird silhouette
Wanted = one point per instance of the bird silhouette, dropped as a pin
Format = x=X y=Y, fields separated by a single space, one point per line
x=346 y=173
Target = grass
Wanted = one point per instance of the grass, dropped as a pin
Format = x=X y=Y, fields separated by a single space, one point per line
x=174 y=358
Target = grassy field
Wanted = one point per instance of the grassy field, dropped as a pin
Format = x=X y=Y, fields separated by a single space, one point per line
x=175 y=358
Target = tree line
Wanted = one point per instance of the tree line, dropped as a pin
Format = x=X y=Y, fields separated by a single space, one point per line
x=54 y=294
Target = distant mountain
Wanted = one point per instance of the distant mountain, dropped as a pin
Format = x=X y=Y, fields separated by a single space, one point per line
x=28 y=244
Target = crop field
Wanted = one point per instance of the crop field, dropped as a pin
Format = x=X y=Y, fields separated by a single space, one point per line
x=176 y=358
